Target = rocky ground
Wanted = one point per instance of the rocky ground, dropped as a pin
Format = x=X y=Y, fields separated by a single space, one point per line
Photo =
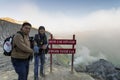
x=59 y=72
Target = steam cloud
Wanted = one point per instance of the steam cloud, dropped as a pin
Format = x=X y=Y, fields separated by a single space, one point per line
x=83 y=57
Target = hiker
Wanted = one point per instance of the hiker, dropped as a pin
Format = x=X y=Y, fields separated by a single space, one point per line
x=40 y=46
x=22 y=52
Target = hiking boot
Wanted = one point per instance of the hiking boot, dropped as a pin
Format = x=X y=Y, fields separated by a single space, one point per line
x=36 y=78
x=42 y=74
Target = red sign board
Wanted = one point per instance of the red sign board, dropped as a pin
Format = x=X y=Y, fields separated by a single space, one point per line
x=61 y=41
x=61 y=51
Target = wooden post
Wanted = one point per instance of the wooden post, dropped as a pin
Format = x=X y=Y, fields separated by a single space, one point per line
x=72 y=55
x=51 y=55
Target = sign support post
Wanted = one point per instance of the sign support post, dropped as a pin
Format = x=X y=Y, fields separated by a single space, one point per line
x=72 y=56
x=51 y=55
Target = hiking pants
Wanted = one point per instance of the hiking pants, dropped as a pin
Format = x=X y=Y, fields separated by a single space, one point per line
x=39 y=61
x=21 y=68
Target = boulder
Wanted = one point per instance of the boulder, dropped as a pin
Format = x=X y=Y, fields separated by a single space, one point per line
x=103 y=70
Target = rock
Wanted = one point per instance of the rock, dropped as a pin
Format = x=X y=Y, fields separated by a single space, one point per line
x=80 y=68
x=103 y=70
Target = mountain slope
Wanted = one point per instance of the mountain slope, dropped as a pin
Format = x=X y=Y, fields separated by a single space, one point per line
x=9 y=26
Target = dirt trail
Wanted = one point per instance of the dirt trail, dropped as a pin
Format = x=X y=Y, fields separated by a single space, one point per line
x=58 y=73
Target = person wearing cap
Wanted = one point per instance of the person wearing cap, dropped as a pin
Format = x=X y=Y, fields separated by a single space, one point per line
x=40 y=45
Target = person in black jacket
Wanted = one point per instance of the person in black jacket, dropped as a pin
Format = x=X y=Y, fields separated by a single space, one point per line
x=40 y=45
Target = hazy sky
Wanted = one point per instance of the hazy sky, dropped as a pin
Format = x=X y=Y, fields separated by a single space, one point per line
x=64 y=16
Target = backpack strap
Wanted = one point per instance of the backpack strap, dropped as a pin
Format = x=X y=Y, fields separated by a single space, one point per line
x=21 y=33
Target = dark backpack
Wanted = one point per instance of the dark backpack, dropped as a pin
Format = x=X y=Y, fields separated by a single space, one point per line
x=31 y=39
x=8 y=44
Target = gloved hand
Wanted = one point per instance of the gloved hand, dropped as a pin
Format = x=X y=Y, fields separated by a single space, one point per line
x=36 y=49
